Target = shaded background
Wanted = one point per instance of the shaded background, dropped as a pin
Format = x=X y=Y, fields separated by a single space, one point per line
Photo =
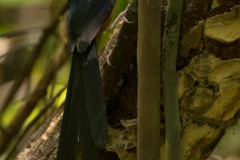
x=21 y=24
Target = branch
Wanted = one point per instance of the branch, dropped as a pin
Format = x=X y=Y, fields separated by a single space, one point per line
x=43 y=143
x=20 y=138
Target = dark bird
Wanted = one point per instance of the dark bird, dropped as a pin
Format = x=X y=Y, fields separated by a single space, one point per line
x=84 y=124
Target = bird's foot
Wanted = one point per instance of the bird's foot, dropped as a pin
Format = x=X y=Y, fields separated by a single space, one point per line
x=121 y=16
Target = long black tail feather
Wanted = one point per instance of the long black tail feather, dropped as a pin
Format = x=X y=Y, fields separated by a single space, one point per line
x=84 y=124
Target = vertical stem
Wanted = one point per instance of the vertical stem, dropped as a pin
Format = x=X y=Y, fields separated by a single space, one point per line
x=169 y=78
x=148 y=58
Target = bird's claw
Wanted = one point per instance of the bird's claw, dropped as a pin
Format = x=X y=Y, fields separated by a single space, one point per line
x=121 y=16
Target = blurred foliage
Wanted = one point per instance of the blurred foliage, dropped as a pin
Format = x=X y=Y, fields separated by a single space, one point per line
x=19 y=2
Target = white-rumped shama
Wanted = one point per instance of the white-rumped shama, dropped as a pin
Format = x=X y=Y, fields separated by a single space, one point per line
x=84 y=124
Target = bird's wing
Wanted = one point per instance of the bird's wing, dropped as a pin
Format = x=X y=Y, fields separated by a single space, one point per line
x=85 y=19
